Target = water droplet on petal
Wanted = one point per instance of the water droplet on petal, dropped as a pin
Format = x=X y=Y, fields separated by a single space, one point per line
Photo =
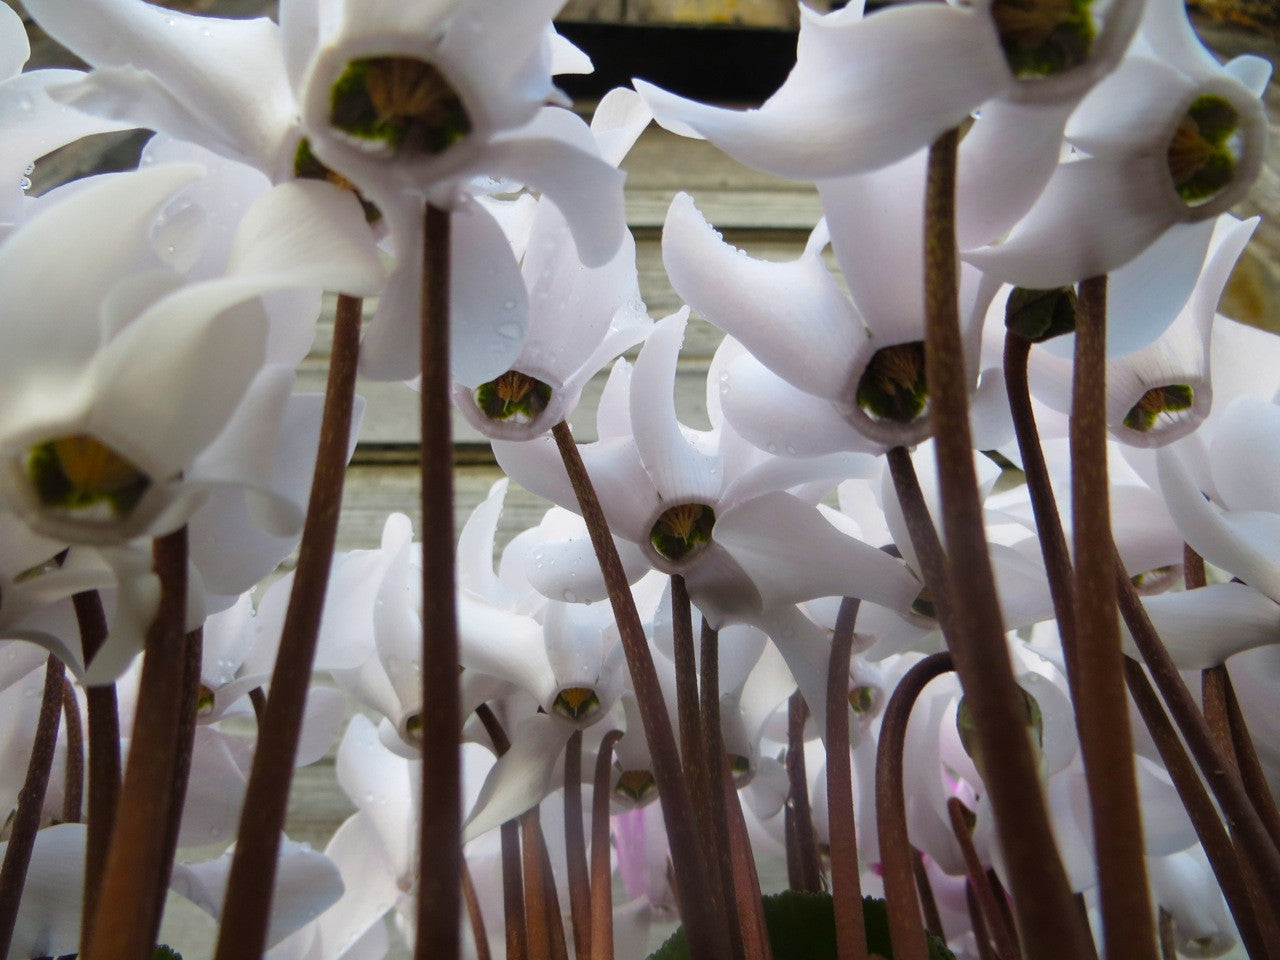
x=510 y=331
x=570 y=597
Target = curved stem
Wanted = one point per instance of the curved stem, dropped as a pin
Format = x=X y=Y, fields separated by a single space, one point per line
x=708 y=940
x=123 y=925
x=846 y=879
x=474 y=915
x=1042 y=895
x=601 y=866
x=993 y=921
x=26 y=820
x=896 y=853
x=247 y=909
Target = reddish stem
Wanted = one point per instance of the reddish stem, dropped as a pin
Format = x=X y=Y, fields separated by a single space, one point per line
x=601 y=866
x=802 y=850
x=73 y=801
x=247 y=909
x=575 y=843
x=846 y=880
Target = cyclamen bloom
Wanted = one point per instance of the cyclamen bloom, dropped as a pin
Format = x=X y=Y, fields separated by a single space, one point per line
x=115 y=382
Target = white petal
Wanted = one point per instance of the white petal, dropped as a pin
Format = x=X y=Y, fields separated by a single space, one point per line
x=475 y=546
x=323 y=717
x=831 y=116
x=1095 y=215
x=14 y=47
x=791 y=316
x=619 y=119
x=680 y=471
x=227 y=74
x=792 y=553
x=380 y=784
x=1202 y=628
x=521 y=777
x=48 y=922
x=371 y=886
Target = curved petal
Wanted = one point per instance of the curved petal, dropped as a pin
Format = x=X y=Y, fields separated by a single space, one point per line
x=14 y=46
x=1232 y=542
x=617 y=122
x=226 y=75
x=383 y=786
x=792 y=553
x=568 y=570
x=521 y=777
x=1245 y=455
x=1095 y=214
x=831 y=116
x=48 y=921
x=475 y=546
x=791 y=316
x=1202 y=628
x=679 y=470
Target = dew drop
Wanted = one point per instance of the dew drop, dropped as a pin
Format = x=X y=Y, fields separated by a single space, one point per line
x=30 y=168
x=508 y=305
x=772 y=448
x=510 y=331
x=24 y=183
x=570 y=597
x=26 y=105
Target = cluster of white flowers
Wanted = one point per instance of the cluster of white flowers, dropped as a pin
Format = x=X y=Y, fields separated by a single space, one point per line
x=154 y=321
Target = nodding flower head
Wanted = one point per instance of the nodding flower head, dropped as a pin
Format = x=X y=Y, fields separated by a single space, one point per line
x=400 y=104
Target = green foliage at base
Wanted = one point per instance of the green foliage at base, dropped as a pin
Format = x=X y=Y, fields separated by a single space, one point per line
x=802 y=926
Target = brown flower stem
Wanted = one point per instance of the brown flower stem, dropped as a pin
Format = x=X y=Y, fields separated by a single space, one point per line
x=1042 y=895
x=555 y=916
x=575 y=843
x=104 y=757
x=537 y=925
x=1193 y=574
x=440 y=822
x=73 y=801
x=1168 y=943
x=601 y=867
x=509 y=832
x=1053 y=542
x=123 y=925
x=1195 y=798
x=755 y=935
x=26 y=819
x=474 y=915
x=701 y=769
x=714 y=764
x=190 y=695
x=993 y=920
x=1102 y=717
x=1002 y=901
x=928 y=902
x=979 y=924
x=1224 y=782
x=258 y=699
x=708 y=940
x=802 y=853
x=1255 y=778
x=923 y=534
x=896 y=853
x=247 y=910
x=1213 y=697
x=846 y=879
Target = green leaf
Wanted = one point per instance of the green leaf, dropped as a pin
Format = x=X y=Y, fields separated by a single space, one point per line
x=802 y=926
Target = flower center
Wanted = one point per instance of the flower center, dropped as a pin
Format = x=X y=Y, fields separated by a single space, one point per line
x=1171 y=398
x=893 y=385
x=739 y=766
x=1042 y=38
x=204 y=701
x=1200 y=156
x=413 y=729
x=1157 y=580
x=307 y=166
x=576 y=703
x=635 y=785
x=400 y=101
x=82 y=472
x=862 y=698
x=1040 y=315
x=513 y=396
x=683 y=531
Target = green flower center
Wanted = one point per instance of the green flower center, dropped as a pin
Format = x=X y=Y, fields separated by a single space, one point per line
x=893 y=386
x=576 y=703
x=1200 y=156
x=81 y=472
x=1040 y=315
x=204 y=701
x=1043 y=38
x=635 y=785
x=402 y=102
x=413 y=729
x=969 y=735
x=1171 y=398
x=862 y=698
x=513 y=396
x=739 y=766
x=1157 y=580
x=683 y=531
x=307 y=166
